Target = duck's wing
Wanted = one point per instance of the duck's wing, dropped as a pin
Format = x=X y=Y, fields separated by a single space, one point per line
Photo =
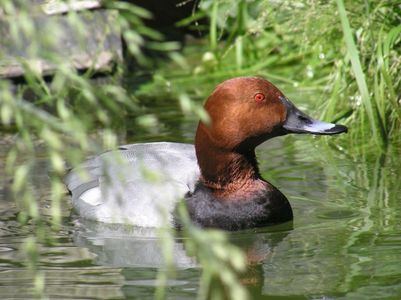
x=137 y=184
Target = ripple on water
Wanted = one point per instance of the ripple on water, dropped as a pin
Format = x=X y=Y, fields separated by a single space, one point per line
x=6 y=249
x=154 y=282
x=337 y=214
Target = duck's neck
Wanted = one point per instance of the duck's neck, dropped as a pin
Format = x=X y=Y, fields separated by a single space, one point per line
x=229 y=174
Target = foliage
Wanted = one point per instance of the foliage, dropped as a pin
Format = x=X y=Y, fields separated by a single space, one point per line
x=61 y=113
x=73 y=113
x=348 y=49
x=375 y=69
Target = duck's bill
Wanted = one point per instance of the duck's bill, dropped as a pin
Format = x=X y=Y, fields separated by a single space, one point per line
x=299 y=122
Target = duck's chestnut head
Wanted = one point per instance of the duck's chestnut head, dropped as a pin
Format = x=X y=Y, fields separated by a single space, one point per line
x=246 y=111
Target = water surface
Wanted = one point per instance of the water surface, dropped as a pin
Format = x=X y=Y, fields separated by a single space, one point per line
x=344 y=243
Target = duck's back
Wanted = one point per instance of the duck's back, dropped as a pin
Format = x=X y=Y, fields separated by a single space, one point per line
x=137 y=184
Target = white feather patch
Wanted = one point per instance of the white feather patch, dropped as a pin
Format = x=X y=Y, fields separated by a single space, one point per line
x=92 y=196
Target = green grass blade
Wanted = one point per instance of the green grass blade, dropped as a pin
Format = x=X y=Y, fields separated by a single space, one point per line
x=359 y=74
x=213 y=25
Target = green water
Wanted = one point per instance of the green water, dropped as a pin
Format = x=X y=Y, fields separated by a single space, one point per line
x=344 y=243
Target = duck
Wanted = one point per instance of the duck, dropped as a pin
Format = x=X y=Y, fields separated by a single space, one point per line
x=217 y=177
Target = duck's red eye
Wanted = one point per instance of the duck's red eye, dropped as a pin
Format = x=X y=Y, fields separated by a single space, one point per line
x=259 y=97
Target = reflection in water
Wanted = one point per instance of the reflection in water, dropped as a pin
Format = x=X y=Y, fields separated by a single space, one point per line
x=127 y=246
x=135 y=247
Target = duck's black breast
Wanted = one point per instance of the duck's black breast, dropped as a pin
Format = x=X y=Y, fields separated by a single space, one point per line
x=268 y=207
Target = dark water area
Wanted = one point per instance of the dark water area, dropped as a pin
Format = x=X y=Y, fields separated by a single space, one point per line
x=344 y=243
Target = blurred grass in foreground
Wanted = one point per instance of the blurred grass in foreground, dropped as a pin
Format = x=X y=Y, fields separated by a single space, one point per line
x=69 y=115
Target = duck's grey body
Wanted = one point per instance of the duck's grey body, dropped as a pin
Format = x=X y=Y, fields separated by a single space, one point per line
x=137 y=184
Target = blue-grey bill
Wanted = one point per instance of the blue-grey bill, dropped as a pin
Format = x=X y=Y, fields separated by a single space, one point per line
x=299 y=122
